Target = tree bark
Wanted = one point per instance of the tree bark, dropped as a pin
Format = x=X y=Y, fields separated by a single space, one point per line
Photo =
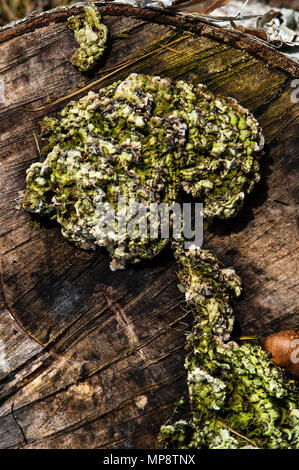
x=91 y=358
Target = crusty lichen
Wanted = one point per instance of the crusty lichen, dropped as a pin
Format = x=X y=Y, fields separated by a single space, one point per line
x=91 y=34
x=148 y=138
x=238 y=397
x=209 y=290
x=145 y=138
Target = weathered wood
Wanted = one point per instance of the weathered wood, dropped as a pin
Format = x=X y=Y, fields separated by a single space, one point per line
x=94 y=358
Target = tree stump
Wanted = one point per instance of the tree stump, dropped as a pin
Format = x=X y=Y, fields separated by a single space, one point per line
x=91 y=358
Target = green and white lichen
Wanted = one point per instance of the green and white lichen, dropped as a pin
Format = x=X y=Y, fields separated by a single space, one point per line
x=238 y=397
x=209 y=290
x=148 y=139
x=91 y=34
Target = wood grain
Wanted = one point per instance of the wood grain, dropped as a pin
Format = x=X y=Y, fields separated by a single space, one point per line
x=94 y=359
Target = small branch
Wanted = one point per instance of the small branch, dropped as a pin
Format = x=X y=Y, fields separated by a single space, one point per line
x=17 y=423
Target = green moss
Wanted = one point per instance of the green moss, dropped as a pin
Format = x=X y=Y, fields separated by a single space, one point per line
x=91 y=35
x=146 y=138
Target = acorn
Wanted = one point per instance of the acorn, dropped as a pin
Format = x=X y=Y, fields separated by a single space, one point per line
x=284 y=349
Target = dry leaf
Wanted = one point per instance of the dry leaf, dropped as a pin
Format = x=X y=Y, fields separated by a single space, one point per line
x=259 y=33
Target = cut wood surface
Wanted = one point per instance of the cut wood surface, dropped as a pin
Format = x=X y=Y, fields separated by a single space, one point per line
x=91 y=358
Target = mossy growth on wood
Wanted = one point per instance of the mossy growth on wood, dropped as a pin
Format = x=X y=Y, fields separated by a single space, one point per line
x=91 y=34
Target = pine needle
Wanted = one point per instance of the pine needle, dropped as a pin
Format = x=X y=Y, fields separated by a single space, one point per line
x=172 y=50
x=115 y=71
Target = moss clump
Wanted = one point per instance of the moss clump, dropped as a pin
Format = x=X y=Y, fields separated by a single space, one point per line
x=238 y=397
x=91 y=35
x=235 y=391
x=146 y=138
